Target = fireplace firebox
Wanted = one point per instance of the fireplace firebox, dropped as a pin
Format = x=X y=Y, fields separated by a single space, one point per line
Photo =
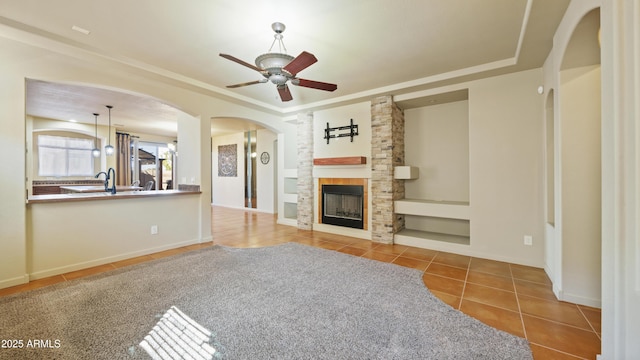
x=343 y=205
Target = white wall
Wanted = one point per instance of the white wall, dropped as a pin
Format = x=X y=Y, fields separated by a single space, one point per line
x=13 y=258
x=228 y=190
x=266 y=188
x=620 y=180
x=188 y=154
x=339 y=147
x=342 y=147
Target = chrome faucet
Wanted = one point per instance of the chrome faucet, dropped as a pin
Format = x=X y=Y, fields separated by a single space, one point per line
x=113 y=181
x=106 y=179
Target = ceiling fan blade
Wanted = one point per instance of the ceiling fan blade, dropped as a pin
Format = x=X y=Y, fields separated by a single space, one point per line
x=246 y=83
x=284 y=92
x=241 y=62
x=303 y=61
x=315 y=84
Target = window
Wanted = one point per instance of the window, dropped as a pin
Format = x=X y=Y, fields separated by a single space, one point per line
x=64 y=156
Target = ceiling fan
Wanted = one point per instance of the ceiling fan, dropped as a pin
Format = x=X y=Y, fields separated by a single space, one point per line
x=280 y=68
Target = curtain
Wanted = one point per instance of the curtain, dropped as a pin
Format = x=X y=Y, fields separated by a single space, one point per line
x=123 y=170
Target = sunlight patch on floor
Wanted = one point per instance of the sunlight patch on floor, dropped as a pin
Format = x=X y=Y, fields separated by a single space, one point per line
x=177 y=336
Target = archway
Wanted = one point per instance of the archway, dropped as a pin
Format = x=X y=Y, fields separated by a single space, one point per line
x=578 y=210
x=244 y=164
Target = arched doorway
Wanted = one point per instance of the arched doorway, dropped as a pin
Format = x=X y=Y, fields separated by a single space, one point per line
x=577 y=210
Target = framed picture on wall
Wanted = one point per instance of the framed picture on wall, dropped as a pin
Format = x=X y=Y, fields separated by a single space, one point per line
x=228 y=160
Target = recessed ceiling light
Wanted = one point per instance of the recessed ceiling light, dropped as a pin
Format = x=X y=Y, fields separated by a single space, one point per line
x=80 y=30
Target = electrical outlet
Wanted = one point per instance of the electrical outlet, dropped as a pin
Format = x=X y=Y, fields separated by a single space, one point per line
x=154 y=229
x=528 y=240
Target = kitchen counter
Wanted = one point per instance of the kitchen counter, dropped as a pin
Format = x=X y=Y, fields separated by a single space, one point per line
x=95 y=189
x=98 y=196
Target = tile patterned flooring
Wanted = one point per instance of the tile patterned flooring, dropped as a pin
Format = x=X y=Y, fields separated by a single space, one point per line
x=513 y=298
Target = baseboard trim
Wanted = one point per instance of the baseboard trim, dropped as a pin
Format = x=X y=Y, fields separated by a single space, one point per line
x=106 y=260
x=459 y=249
x=581 y=300
x=18 y=280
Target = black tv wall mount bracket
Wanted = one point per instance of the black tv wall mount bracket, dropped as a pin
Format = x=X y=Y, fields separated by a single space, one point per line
x=353 y=131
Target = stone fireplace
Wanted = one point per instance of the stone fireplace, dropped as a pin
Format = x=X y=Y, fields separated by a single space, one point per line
x=386 y=151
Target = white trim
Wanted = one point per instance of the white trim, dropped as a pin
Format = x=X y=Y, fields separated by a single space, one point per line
x=19 y=280
x=106 y=260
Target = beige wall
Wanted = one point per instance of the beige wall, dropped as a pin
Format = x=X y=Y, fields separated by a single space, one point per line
x=505 y=164
x=46 y=62
x=505 y=167
x=437 y=142
x=104 y=231
x=580 y=174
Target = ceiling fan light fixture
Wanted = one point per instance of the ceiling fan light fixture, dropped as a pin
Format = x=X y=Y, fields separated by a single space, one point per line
x=273 y=61
x=280 y=68
x=278 y=79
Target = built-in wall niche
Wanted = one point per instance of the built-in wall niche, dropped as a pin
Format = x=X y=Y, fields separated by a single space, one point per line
x=437 y=143
x=290 y=210
x=436 y=203
x=440 y=229
x=290 y=185
x=290 y=196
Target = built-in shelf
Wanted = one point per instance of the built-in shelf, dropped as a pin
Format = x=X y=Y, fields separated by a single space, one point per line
x=290 y=173
x=290 y=210
x=429 y=235
x=290 y=197
x=429 y=221
x=406 y=172
x=433 y=208
x=290 y=185
x=346 y=160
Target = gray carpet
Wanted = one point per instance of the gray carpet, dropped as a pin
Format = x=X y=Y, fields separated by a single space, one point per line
x=289 y=301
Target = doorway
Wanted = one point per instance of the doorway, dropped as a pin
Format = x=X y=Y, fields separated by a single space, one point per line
x=155 y=166
x=250 y=154
x=578 y=215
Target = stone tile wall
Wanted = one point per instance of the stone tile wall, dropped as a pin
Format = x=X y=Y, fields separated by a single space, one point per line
x=305 y=171
x=387 y=151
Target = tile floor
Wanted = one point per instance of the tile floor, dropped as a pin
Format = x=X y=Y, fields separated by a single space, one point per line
x=513 y=298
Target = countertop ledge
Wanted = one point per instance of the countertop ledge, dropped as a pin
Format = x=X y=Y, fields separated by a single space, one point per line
x=37 y=199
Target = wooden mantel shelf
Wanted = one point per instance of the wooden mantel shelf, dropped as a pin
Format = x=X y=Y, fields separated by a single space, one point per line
x=347 y=160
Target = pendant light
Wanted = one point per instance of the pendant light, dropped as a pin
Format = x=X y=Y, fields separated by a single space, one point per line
x=108 y=150
x=96 y=149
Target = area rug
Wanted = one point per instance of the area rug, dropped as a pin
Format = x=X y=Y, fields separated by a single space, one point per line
x=289 y=301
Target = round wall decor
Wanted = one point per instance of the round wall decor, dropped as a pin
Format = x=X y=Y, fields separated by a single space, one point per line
x=264 y=157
